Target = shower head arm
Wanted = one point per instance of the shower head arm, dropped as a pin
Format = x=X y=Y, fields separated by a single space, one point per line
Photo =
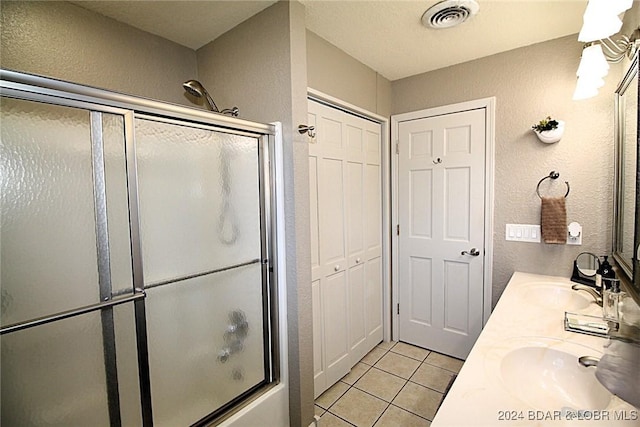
x=209 y=100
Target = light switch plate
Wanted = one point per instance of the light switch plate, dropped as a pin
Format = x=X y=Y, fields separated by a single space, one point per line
x=523 y=233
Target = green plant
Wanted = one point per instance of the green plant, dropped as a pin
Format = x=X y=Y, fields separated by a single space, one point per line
x=545 y=124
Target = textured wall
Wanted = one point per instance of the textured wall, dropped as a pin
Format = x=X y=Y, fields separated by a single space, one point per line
x=65 y=41
x=334 y=72
x=257 y=67
x=529 y=84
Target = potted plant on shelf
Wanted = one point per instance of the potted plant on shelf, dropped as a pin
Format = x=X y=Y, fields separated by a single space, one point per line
x=549 y=130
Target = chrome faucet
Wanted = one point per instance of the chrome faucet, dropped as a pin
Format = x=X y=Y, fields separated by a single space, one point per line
x=593 y=292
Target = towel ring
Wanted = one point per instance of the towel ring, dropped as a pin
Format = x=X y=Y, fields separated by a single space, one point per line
x=552 y=175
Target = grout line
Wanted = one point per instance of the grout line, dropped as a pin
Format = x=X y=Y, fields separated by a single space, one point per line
x=338 y=416
x=390 y=373
x=410 y=357
x=380 y=416
x=428 y=387
x=378 y=397
x=338 y=398
x=406 y=381
x=413 y=413
x=437 y=366
x=420 y=385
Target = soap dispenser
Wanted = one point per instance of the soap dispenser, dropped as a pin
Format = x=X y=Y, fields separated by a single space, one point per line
x=605 y=270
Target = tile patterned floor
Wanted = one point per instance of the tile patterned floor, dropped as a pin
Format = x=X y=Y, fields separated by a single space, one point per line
x=396 y=384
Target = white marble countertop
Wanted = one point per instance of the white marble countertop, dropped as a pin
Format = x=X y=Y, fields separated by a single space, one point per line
x=529 y=313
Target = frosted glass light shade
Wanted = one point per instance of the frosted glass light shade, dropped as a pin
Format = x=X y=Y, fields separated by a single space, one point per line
x=619 y=6
x=601 y=19
x=584 y=89
x=593 y=62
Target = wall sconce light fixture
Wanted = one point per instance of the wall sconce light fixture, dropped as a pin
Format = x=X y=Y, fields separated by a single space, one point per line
x=601 y=20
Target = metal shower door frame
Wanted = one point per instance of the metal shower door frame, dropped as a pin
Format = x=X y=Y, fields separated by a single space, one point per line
x=97 y=101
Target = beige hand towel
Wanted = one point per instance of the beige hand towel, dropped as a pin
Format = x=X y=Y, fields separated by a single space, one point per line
x=553 y=220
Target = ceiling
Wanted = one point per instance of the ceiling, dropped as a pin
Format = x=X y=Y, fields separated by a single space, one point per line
x=385 y=35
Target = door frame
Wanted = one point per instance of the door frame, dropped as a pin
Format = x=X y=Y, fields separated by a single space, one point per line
x=489 y=104
x=385 y=167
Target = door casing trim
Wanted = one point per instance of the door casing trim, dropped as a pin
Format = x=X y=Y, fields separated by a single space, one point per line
x=489 y=105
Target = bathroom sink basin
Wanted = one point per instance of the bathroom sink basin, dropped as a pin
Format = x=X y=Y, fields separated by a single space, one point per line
x=547 y=376
x=554 y=296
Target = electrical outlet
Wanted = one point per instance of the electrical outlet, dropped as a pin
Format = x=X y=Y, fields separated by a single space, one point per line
x=574 y=234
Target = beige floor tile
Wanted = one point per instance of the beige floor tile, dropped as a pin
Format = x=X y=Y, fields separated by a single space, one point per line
x=398 y=364
x=387 y=345
x=381 y=384
x=329 y=397
x=373 y=356
x=330 y=420
x=396 y=417
x=433 y=377
x=410 y=351
x=355 y=373
x=418 y=400
x=318 y=410
x=359 y=408
x=445 y=362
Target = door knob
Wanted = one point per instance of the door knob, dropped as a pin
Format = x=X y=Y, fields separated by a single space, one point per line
x=473 y=252
x=336 y=268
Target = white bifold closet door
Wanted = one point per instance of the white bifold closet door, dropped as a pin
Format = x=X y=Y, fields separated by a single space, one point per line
x=346 y=240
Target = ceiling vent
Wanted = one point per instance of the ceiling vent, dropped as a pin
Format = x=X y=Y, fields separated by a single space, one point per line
x=449 y=13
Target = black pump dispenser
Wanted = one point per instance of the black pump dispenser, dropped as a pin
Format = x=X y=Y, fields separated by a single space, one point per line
x=605 y=270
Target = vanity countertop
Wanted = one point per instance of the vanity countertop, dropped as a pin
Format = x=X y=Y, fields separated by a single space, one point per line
x=530 y=316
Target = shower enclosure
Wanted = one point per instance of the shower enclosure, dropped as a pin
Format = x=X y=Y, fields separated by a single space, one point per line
x=137 y=259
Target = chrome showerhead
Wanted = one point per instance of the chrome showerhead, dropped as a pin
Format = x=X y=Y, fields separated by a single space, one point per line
x=196 y=89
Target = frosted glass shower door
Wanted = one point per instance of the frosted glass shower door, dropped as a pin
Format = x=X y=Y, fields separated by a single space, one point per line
x=56 y=258
x=202 y=240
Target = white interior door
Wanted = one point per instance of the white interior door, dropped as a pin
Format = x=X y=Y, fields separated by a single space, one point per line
x=441 y=177
x=346 y=240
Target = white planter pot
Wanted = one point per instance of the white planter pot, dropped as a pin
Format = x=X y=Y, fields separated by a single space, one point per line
x=551 y=136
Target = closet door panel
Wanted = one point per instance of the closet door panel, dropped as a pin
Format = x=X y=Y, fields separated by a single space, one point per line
x=335 y=295
x=331 y=215
x=357 y=310
x=373 y=208
x=373 y=301
x=355 y=213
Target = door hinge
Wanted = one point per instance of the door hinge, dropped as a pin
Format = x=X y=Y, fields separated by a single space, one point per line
x=397 y=147
x=398 y=229
x=398 y=308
